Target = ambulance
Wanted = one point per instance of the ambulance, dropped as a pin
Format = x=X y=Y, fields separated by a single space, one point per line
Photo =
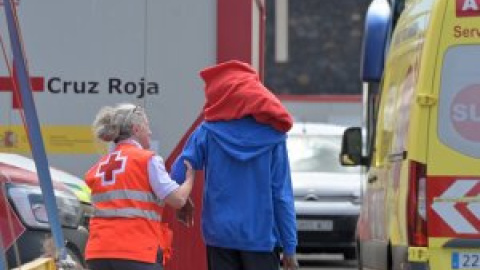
x=420 y=142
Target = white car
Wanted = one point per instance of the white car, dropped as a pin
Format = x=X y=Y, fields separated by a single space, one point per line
x=74 y=183
x=327 y=195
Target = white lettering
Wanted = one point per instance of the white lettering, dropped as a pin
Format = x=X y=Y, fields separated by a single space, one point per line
x=464 y=113
x=460 y=113
x=470 y=5
x=474 y=113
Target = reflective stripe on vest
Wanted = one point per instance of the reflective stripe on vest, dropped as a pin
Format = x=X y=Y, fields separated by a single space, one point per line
x=125 y=195
x=127 y=213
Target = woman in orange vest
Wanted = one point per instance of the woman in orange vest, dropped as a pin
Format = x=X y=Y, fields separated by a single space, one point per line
x=129 y=188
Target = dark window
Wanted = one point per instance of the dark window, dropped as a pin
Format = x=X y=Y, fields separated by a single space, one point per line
x=325 y=40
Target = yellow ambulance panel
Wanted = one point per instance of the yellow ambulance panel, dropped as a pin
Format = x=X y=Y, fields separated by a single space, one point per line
x=422 y=204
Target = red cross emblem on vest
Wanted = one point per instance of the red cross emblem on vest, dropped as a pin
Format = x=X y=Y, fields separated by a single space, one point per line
x=113 y=165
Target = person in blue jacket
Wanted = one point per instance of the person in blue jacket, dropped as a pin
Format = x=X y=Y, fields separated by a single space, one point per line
x=248 y=207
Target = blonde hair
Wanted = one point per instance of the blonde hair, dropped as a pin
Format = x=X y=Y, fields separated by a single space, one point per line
x=115 y=123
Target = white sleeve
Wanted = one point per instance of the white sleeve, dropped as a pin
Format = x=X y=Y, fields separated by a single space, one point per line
x=160 y=181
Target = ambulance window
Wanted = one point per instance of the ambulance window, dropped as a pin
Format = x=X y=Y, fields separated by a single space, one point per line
x=372 y=106
x=385 y=122
x=459 y=100
x=397 y=8
x=403 y=108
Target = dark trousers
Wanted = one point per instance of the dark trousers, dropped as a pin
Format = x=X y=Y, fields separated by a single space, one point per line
x=119 y=264
x=232 y=259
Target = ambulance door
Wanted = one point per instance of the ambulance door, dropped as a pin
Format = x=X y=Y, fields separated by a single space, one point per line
x=375 y=240
x=453 y=161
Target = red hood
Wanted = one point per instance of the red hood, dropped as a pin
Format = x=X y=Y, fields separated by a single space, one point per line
x=233 y=90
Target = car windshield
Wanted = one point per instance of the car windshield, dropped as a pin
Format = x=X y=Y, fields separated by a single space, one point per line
x=316 y=153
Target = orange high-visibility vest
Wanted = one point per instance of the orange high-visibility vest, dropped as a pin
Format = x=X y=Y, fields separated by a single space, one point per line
x=127 y=217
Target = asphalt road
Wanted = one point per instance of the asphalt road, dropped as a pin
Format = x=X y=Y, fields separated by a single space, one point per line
x=325 y=262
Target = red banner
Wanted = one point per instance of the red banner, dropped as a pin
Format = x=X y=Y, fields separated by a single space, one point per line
x=10 y=225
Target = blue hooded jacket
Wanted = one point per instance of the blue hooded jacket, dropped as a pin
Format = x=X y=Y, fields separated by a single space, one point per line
x=248 y=198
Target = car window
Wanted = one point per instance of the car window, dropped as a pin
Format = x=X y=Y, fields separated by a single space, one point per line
x=316 y=153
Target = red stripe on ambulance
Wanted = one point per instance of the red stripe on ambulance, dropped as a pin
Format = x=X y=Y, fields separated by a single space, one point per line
x=464 y=209
x=454 y=207
x=468 y=8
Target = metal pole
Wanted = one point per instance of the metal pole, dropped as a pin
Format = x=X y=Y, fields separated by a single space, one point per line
x=33 y=129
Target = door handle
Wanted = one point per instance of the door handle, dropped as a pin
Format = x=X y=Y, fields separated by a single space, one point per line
x=372 y=179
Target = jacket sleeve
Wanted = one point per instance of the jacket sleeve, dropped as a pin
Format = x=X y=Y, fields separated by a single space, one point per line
x=194 y=152
x=283 y=201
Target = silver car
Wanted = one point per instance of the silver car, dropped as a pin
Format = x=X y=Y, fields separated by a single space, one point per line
x=327 y=195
